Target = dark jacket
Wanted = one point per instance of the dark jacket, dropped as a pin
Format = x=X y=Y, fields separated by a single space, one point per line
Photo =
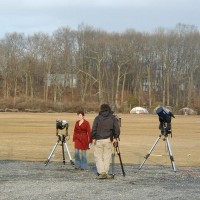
x=105 y=126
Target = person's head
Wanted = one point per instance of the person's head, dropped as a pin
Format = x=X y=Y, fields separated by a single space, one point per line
x=81 y=114
x=105 y=107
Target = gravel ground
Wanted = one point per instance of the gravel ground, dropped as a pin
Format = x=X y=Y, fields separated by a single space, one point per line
x=34 y=180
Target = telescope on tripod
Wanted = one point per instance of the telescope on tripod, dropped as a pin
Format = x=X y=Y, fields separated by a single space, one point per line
x=165 y=128
x=60 y=125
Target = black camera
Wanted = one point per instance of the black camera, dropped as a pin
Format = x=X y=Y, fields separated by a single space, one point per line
x=165 y=117
x=61 y=124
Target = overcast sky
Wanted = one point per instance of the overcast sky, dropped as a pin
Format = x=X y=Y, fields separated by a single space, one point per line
x=32 y=16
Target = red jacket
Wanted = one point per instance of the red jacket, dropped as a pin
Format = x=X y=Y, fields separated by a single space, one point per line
x=82 y=135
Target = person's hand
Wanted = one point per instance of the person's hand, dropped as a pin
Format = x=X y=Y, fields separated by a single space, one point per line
x=114 y=141
x=94 y=141
x=90 y=144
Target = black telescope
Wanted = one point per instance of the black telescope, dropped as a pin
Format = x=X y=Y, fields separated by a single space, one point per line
x=165 y=117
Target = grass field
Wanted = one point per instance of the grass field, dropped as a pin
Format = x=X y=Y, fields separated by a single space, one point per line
x=31 y=137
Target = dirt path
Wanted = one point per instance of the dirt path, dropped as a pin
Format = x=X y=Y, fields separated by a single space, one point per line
x=35 y=181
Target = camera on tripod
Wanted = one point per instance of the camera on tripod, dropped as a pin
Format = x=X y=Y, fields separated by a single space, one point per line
x=165 y=117
x=60 y=125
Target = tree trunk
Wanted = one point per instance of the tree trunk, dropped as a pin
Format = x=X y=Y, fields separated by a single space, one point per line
x=122 y=90
x=190 y=86
x=149 y=84
x=117 y=87
x=164 y=96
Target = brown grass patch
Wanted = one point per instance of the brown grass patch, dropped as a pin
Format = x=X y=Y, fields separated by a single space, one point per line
x=31 y=137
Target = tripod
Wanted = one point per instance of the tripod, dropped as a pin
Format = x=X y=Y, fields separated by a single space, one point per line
x=116 y=149
x=62 y=139
x=166 y=139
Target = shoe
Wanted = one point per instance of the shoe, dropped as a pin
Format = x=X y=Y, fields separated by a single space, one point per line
x=109 y=176
x=77 y=168
x=85 y=170
x=102 y=176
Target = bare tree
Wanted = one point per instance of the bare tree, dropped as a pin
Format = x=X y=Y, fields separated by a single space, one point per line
x=162 y=67
x=14 y=45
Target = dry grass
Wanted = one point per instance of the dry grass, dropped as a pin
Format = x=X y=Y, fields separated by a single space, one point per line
x=31 y=137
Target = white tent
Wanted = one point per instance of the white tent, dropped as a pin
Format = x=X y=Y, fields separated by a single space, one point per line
x=187 y=111
x=139 y=110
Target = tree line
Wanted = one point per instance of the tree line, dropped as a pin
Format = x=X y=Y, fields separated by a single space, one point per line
x=123 y=69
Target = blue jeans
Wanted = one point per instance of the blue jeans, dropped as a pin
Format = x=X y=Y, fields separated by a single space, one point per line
x=81 y=162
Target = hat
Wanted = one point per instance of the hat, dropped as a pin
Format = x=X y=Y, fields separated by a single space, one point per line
x=105 y=107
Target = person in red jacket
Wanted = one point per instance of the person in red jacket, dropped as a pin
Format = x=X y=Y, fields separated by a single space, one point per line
x=82 y=140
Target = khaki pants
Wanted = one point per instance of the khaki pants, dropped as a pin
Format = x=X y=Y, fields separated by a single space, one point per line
x=102 y=155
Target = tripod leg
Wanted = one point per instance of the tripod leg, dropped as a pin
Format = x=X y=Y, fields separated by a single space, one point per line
x=63 y=152
x=70 y=158
x=54 y=148
x=170 y=154
x=148 y=154
x=120 y=160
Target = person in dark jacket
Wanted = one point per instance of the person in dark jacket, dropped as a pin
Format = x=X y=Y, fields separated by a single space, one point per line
x=105 y=131
x=82 y=140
